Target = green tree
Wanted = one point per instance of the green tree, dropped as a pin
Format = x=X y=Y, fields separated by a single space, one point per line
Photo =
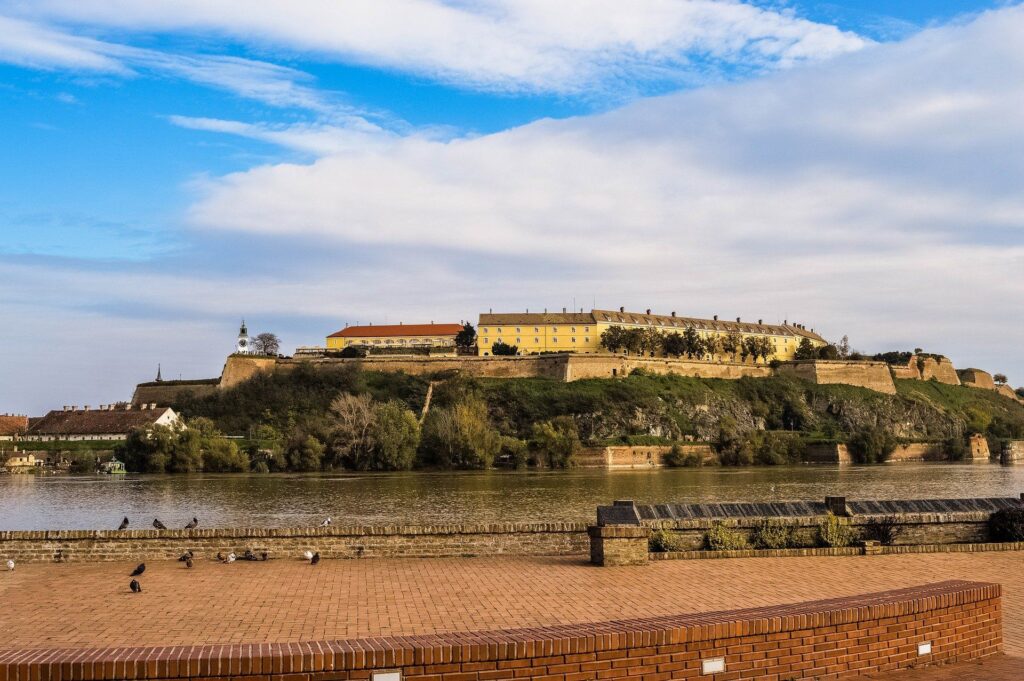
x=1020 y=392
x=186 y=455
x=692 y=343
x=871 y=445
x=651 y=341
x=148 y=450
x=613 y=339
x=674 y=344
x=633 y=341
x=1000 y=379
x=829 y=352
x=267 y=344
x=501 y=348
x=306 y=454
x=557 y=441
x=460 y=436
x=732 y=447
x=224 y=456
x=732 y=344
x=395 y=435
x=466 y=338
x=805 y=350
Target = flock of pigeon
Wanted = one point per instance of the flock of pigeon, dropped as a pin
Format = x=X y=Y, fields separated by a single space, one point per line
x=187 y=557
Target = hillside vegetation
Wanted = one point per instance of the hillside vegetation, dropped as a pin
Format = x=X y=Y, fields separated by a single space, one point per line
x=315 y=418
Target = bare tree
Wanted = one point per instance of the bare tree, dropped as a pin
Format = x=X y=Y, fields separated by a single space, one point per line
x=352 y=432
x=1000 y=379
x=267 y=343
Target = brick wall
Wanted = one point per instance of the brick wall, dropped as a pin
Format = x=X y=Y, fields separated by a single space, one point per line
x=836 y=638
x=538 y=539
x=638 y=456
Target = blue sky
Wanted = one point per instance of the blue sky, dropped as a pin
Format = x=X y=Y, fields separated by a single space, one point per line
x=171 y=167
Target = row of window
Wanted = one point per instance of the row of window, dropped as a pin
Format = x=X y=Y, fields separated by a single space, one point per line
x=536 y=329
x=401 y=341
x=519 y=341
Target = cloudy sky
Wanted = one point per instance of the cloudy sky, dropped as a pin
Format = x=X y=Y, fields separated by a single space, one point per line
x=171 y=167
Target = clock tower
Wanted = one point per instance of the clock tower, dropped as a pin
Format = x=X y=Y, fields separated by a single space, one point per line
x=244 y=344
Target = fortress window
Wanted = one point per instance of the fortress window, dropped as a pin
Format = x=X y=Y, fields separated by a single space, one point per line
x=554 y=329
x=536 y=340
x=554 y=340
x=586 y=340
x=499 y=330
x=574 y=329
x=536 y=330
x=485 y=339
x=586 y=329
x=484 y=329
x=573 y=340
x=519 y=341
x=517 y=329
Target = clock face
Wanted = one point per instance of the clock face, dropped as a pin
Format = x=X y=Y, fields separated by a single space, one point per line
x=242 y=343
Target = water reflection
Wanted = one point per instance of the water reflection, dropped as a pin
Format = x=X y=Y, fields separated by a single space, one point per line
x=28 y=502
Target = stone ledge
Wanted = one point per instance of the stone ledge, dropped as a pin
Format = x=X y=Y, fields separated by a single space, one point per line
x=837 y=551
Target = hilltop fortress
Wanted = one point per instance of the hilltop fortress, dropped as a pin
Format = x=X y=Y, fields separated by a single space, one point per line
x=567 y=346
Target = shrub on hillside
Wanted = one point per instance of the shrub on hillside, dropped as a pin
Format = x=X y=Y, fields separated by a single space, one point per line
x=676 y=457
x=871 y=445
x=224 y=456
x=514 y=453
x=834 y=531
x=771 y=533
x=395 y=436
x=460 y=436
x=719 y=537
x=556 y=442
x=305 y=454
x=1007 y=525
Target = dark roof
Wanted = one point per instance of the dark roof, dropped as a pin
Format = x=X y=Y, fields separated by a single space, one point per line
x=814 y=508
x=13 y=424
x=392 y=330
x=527 y=318
x=720 y=325
x=95 y=421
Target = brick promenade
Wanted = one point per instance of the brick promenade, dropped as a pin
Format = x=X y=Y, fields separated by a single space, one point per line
x=89 y=605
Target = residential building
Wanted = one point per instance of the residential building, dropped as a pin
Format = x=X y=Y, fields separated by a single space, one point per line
x=109 y=422
x=395 y=336
x=536 y=332
x=12 y=425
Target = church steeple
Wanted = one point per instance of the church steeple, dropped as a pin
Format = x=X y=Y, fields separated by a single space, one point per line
x=243 y=346
x=159 y=378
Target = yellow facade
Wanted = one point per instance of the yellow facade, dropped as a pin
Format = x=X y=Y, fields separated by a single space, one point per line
x=535 y=333
x=395 y=336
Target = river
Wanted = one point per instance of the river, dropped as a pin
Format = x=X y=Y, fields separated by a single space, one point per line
x=30 y=502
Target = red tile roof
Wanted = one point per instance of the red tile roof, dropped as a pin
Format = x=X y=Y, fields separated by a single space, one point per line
x=12 y=424
x=96 y=421
x=398 y=330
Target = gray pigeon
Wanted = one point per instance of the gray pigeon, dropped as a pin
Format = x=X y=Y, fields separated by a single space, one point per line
x=192 y=525
x=315 y=559
x=124 y=524
x=158 y=525
x=138 y=570
x=135 y=586
x=188 y=563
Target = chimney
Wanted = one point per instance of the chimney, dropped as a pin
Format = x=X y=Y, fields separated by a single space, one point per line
x=648 y=310
x=737 y=320
x=760 y=321
x=527 y=310
x=785 y=322
x=622 y=309
x=152 y=405
x=673 y=313
x=716 y=318
x=128 y=407
x=563 y=310
x=74 y=407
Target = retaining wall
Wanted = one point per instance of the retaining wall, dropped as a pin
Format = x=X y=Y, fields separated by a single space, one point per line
x=624 y=457
x=835 y=638
x=539 y=539
x=872 y=375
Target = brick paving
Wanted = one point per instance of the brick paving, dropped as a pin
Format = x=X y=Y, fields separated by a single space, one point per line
x=89 y=605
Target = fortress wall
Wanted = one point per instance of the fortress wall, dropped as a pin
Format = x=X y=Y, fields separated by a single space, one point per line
x=164 y=394
x=918 y=451
x=941 y=370
x=608 y=366
x=1007 y=391
x=621 y=457
x=871 y=375
x=976 y=378
x=239 y=368
x=910 y=371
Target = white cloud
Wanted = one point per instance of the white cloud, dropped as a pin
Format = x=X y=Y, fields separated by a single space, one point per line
x=343 y=135
x=566 y=46
x=32 y=45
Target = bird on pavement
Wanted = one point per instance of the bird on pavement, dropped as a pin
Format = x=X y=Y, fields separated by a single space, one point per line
x=158 y=525
x=315 y=559
x=188 y=563
x=264 y=555
x=10 y=565
x=192 y=525
x=249 y=555
x=138 y=570
x=185 y=556
x=308 y=555
x=221 y=557
x=135 y=586
x=326 y=522
x=230 y=558
x=124 y=523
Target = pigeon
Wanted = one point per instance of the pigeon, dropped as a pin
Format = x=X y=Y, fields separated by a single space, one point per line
x=139 y=570
x=308 y=555
x=158 y=525
x=192 y=525
x=230 y=558
x=124 y=523
x=10 y=565
x=135 y=586
x=221 y=557
x=315 y=559
x=188 y=563
x=185 y=556
x=249 y=555
x=264 y=555
x=326 y=522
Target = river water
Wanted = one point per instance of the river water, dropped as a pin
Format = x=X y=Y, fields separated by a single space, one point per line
x=292 y=500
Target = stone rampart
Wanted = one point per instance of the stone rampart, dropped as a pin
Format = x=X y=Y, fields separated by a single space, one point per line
x=537 y=539
x=239 y=368
x=836 y=638
x=872 y=375
x=168 y=392
x=941 y=370
x=1013 y=452
x=580 y=367
x=1007 y=391
x=976 y=378
x=622 y=457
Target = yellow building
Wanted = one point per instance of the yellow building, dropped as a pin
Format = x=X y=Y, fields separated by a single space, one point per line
x=581 y=331
x=395 y=336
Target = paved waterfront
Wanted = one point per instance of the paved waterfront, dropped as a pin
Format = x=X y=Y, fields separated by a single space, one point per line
x=89 y=605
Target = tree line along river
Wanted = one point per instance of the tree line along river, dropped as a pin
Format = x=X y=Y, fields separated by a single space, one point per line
x=30 y=502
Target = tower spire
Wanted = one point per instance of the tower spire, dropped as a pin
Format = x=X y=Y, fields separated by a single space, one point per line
x=158 y=376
